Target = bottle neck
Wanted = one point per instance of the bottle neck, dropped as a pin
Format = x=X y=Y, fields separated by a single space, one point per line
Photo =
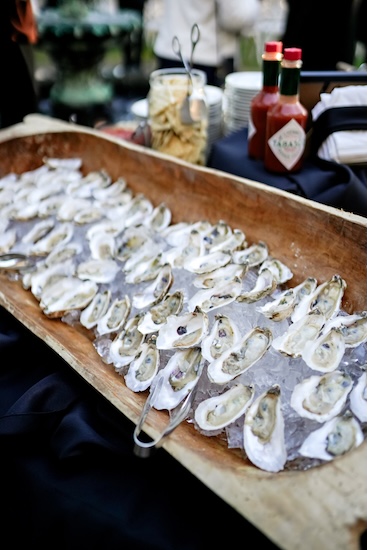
x=289 y=78
x=271 y=72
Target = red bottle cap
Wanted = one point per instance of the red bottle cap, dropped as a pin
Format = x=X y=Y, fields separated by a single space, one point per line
x=292 y=54
x=273 y=47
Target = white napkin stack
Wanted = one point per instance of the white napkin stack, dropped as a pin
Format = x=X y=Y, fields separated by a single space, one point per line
x=345 y=147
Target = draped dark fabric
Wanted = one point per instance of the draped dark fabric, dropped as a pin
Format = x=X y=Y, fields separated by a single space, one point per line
x=326 y=182
x=69 y=477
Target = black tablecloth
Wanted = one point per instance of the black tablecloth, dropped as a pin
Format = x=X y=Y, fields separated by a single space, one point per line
x=70 y=479
x=325 y=182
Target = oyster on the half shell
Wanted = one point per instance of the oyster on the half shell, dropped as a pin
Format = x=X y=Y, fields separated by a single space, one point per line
x=71 y=293
x=327 y=297
x=115 y=317
x=325 y=353
x=281 y=307
x=183 y=331
x=321 y=398
x=221 y=410
x=180 y=376
x=223 y=335
x=300 y=333
x=353 y=327
x=358 y=398
x=157 y=315
x=143 y=367
x=265 y=285
x=156 y=291
x=90 y=316
x=251 y=256
x=249 y=349
x=336 y=437
x=220 y=295
x=126 y=344
x=263 y=431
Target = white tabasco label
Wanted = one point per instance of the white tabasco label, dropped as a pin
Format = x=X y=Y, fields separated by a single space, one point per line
x=288 y=143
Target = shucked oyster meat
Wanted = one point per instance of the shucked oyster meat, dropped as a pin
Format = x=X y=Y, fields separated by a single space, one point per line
x=336 y=437
x=322 y=397
x=221 y=410
x=241 y=356
x=263 y=431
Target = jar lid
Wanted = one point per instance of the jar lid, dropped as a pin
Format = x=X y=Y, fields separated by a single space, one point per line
x=273 y=46
x=292 y=54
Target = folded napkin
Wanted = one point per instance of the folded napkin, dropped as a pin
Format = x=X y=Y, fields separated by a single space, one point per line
x=344 y=146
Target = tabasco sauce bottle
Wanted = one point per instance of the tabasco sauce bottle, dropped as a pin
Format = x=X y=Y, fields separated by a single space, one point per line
x=286 y=121
x=264 y=99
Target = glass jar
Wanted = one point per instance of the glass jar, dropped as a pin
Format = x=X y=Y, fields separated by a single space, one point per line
x=178 y=114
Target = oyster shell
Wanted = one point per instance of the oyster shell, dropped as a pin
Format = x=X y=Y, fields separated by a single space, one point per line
x=70 y=208
x=90 y=316
x=192 y=248
x=207 y=262
x=60 y=234
x=241 y=356
x=281 y=272
x=327 y=297
x=353 y=327
x=302 y=292
x=38 y=231
x=145 y=270
x=281 y=307
x=221 y=410
x=223 y=238
x=300 y=333
x=358 y=398
x=263 y=431
x=336 y=437
x=74 y=297
x=183 y=331
x=100 y=271
x=126 y=344
x=180 y=376
x=251 y=256
x=143 y=367
x=44 y=276
x=265 y=285
x=7 y=240
x=155 y=292
x=159 y=219
x=212 y=298
x=325 y=353
x=115 y=317
x=157 y=315
x=62 y=253
x=131 y=241
x=102 y=246
x=223 y=335
x=225 y=273
x=321 y=397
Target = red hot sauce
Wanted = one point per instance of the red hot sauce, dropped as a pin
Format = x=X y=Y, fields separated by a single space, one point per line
x=264 y=99
x=286 y=121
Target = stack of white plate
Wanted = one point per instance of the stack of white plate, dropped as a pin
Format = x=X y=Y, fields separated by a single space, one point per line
x=214 y=97
x=239 y=89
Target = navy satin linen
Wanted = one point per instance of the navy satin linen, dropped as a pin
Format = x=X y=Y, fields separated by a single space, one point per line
x=69 y=478
x=323 y=181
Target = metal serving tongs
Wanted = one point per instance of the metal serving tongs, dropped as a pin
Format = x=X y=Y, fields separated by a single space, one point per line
x=144 y=448
x=16 y=262
x=194 y=106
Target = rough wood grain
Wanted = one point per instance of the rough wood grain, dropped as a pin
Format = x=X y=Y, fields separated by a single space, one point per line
x=325 y=507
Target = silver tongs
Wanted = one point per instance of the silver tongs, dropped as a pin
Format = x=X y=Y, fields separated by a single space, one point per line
x=16 y=262
x=144 y=448
x=194 y=107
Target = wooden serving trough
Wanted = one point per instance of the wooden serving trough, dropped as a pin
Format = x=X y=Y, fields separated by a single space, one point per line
x=321 y=508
